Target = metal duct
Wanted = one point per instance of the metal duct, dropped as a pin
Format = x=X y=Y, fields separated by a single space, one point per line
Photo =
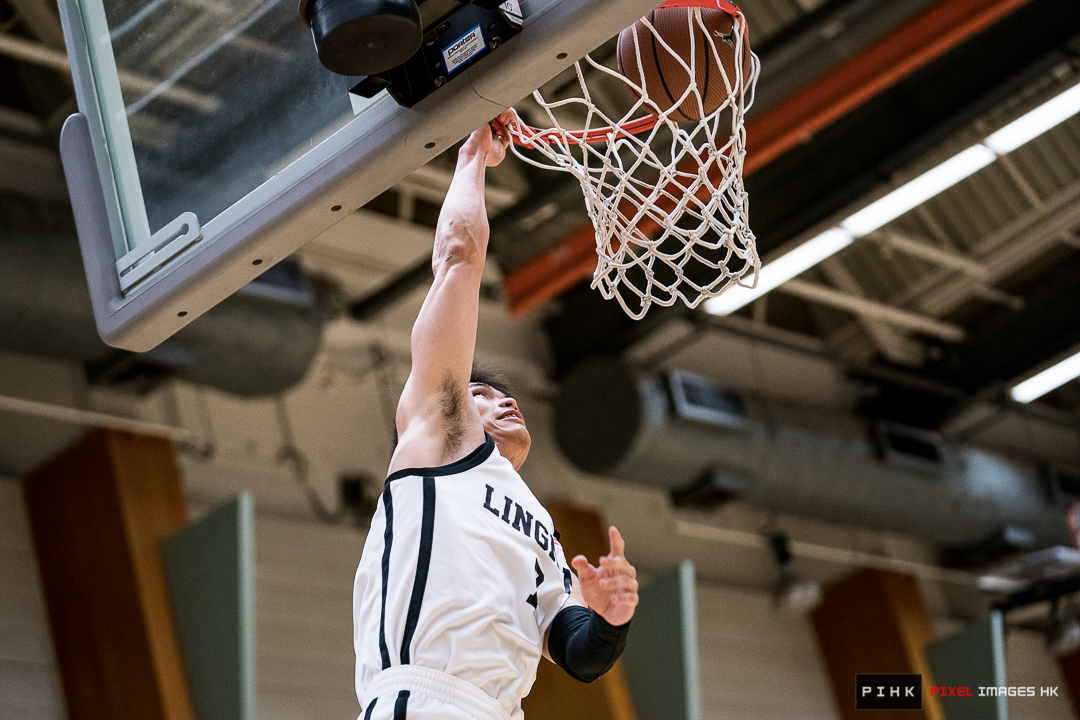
x=683 y=433
x=260 y=341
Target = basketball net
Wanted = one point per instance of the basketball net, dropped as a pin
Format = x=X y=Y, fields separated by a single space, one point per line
x=666 y=198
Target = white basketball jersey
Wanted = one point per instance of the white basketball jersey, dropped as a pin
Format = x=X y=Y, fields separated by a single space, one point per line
x=461 y=572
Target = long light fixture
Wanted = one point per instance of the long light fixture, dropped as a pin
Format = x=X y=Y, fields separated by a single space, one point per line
x=782 y=269
x=915 y=193
x=1049 y=379
x=905 y=198
x=1035 y=123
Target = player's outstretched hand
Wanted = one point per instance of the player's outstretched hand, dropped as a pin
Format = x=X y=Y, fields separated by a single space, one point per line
x=611 y=589
x=492 y=139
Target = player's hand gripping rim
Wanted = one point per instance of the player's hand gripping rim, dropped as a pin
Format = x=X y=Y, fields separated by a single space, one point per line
x=491 y=140
x=610 y=589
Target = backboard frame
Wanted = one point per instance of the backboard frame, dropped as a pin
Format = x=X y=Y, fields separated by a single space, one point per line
x=376 y=149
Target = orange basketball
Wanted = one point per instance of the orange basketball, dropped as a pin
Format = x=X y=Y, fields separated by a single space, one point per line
x=665 y=79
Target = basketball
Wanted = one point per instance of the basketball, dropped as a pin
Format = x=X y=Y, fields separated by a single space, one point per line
x=665 y=79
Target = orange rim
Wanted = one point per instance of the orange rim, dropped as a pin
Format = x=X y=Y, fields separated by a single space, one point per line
x=532 y=136
x=724 y=5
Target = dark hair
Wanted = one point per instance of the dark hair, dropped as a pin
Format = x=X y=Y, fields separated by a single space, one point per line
x=480 y=374
x=490 y=377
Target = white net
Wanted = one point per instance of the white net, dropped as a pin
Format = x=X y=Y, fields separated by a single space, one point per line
x=668 y=205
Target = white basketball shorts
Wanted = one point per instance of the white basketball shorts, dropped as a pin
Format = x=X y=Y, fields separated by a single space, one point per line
x=411 y=692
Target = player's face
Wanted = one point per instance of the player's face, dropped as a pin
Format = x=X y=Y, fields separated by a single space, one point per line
x=502 y=420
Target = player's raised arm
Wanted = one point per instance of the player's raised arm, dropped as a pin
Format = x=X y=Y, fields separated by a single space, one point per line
x=436 y=422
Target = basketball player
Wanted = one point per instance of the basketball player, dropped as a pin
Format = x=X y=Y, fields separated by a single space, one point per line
x=462 y=584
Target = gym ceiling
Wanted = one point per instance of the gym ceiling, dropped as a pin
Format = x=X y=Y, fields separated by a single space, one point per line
x=837 y=124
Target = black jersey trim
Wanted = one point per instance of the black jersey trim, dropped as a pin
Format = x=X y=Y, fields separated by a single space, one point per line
x=476 y=457
x=370 y=707
x=423 y=563
x=388 y=539
x=402 y=705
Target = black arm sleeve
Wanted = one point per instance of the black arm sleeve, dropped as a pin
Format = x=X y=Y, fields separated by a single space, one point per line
x=584 y=644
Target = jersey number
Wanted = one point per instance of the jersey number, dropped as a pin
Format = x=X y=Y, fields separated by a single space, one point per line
x=532 y=599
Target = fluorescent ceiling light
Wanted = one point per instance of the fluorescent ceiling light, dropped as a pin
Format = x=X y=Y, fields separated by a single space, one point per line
x=1036 y=122
x=1049 y=379
x=908 y=197
x=919 y=190
x=782 y=269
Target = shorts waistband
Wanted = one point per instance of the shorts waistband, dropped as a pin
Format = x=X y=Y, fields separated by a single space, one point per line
x=437 y=685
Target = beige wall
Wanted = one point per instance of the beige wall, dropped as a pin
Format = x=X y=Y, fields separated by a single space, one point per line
x=303 y=598
x=755 y=663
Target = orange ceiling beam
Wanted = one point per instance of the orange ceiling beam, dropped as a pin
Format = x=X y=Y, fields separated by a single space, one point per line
x=874 y=70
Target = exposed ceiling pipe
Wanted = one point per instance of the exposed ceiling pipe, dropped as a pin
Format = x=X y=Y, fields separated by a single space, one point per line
x=784 y=126
x=92 y=418
x=41 y=19
x=863 y=307
x=702 y=443
x=259 y=341
x=21 y=122
x=840 y=556
x=31 y=170
x=925 y=251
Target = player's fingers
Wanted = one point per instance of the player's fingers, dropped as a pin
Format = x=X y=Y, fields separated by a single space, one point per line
x=585 y=571
x=501 y=125
x=618 y=547
x=620 y=584
x=617 y=565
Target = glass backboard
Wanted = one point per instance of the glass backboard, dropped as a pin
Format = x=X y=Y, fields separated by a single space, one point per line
x=211 y=143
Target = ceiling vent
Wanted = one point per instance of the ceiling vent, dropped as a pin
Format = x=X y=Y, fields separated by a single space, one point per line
x=716 y=486
x=910 y=447
x=698 y=398
x=1064 y=482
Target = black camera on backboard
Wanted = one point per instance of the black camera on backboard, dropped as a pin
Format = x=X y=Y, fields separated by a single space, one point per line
x=408 y=47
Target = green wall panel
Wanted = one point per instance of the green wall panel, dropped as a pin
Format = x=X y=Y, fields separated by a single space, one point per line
x=971 y=658
x=661 y=658
x=211 y=570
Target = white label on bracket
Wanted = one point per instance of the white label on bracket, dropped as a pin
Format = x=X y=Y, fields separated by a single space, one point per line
x=463 y=49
